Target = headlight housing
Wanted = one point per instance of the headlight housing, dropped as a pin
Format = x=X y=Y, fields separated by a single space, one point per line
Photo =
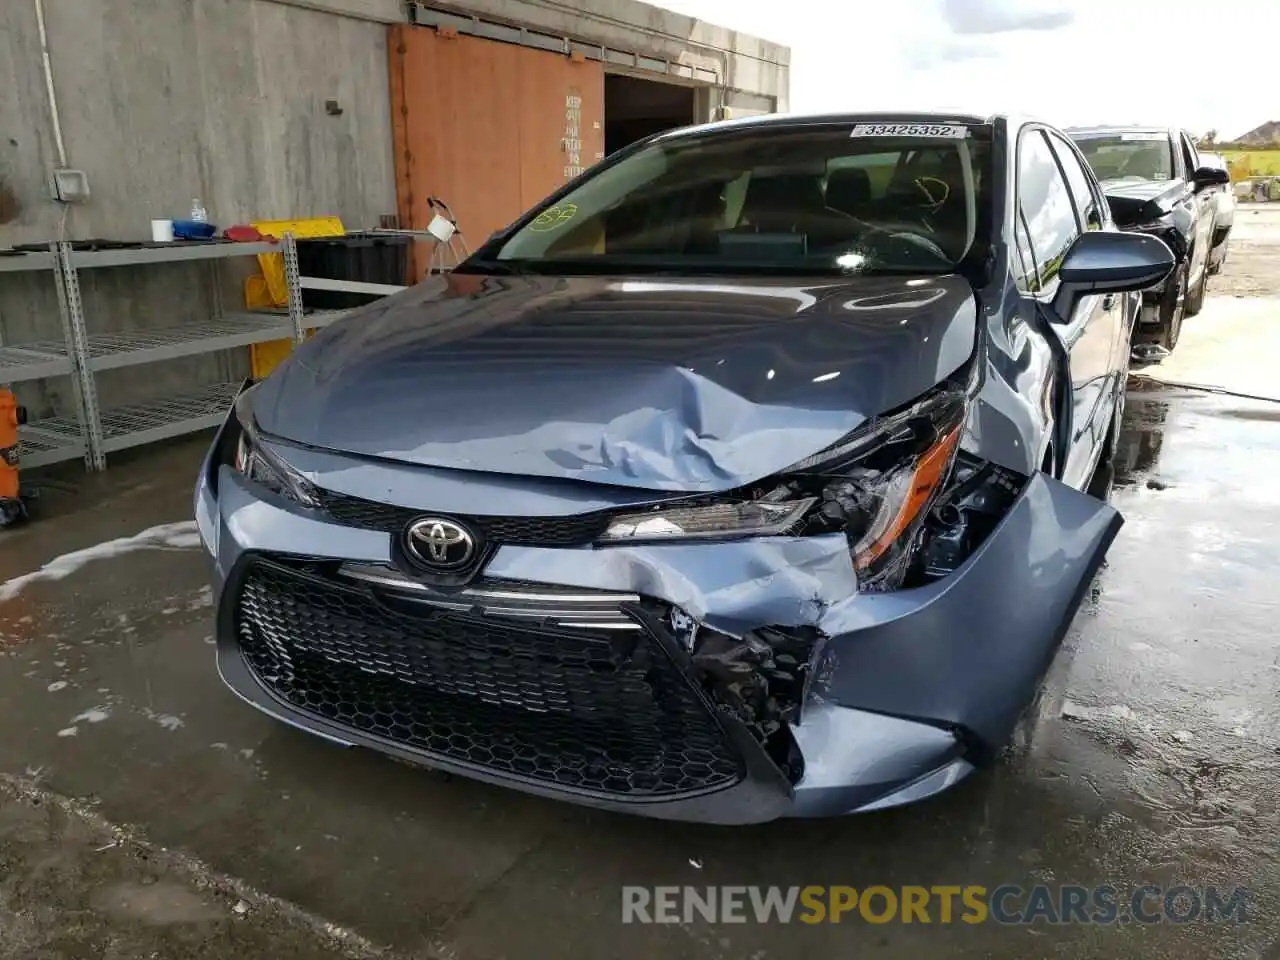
x=747 y=518
x=877 y=486
x=1166 y=229
x=255 y=462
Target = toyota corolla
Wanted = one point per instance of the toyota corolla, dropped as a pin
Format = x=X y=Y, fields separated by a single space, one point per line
x=758 y=472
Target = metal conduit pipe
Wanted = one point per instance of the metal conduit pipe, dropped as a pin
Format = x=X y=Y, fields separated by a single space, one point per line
x=48 y=83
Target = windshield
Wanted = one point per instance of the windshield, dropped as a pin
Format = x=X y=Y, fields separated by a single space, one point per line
x=827 y=199
x=1129 y=156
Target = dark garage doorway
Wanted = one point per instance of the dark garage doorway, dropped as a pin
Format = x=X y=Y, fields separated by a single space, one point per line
x=635 y=108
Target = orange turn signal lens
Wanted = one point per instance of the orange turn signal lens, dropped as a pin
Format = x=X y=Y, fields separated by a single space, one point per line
x=910 y=494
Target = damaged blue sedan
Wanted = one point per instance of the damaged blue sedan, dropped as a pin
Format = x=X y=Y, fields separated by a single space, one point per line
x=756 y=473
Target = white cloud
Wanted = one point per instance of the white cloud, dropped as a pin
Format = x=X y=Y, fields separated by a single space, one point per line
x=1001 y=16
x=1067 y=61
x=924 y=55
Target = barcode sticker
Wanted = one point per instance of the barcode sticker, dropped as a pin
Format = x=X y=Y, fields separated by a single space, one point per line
x=948 y=131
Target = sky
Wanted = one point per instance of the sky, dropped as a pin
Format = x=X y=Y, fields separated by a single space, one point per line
x=1206 y=65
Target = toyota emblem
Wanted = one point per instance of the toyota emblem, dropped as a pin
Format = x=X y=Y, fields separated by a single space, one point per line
x=440 y=544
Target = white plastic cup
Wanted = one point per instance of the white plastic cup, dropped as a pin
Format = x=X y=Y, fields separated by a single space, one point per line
x=162 y=231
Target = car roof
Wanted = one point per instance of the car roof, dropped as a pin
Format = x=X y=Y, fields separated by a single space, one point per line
x=781 y=120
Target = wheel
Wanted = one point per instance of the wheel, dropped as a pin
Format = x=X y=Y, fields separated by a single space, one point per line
x=1218 y=256
x=1195 y=299
x=1172 y=308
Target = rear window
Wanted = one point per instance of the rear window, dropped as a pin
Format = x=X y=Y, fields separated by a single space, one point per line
x=827 y=198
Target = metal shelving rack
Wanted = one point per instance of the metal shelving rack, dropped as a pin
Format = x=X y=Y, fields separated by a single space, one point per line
x=107 y=431
x=94 y=433
x=54 y=438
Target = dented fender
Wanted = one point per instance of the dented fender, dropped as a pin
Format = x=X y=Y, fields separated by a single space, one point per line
x=964 y=652
x=968 y=651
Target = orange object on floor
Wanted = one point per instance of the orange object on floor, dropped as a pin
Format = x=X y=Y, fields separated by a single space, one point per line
x=11 y=415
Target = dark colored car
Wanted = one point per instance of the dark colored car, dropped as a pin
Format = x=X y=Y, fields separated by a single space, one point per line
x=742 y=478
x=1156 y=183
x=1225 y=211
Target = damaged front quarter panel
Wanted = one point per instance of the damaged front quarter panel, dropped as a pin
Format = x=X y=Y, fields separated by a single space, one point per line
x=857 y=697
x=967 y=651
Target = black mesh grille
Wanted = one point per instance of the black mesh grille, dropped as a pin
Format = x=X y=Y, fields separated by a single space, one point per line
x=603 y=711
x=529 y=531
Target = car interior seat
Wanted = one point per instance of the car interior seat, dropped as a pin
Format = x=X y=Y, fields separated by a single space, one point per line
x=849 y=191
x=782 y=203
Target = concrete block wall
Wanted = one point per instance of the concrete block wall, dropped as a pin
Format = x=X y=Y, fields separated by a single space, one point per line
x=165 y=100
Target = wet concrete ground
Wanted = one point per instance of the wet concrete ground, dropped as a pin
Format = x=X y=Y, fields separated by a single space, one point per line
x=144 y=811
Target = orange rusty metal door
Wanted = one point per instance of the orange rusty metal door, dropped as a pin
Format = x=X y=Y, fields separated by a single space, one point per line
x=490 y=128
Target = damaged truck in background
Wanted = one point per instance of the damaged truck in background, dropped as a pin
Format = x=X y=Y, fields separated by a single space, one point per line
x=756 y=473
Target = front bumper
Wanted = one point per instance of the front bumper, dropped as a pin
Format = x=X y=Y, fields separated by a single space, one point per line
x=909 y=690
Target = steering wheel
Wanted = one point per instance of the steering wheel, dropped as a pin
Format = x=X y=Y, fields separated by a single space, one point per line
x=910 y=233
x=937 y=194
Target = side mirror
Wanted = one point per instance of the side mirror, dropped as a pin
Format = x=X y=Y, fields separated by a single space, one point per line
x=1210 y=177
x=1110 y=262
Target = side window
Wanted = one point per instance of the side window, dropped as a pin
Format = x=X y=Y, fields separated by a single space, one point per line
x=1084 y=192
x=1045 y=203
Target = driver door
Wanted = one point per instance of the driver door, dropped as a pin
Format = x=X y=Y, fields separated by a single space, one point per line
x=1048 y=222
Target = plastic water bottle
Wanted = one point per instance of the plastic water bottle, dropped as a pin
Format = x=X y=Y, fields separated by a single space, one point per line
x=198 y=213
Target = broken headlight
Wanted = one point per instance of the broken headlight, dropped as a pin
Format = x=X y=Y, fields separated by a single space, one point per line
x=749 y=518
x=254 y=461
x=876 y=486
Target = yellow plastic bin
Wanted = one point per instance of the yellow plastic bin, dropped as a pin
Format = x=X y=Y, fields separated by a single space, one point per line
x=270 y=289
x=266 y=356
x=272 y=264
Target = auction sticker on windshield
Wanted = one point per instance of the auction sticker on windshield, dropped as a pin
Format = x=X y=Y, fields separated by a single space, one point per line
x=554 y=218
x=952 y=131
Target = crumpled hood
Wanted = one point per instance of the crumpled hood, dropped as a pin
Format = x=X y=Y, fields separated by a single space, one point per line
x=657 y=383
x=1135 y=200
